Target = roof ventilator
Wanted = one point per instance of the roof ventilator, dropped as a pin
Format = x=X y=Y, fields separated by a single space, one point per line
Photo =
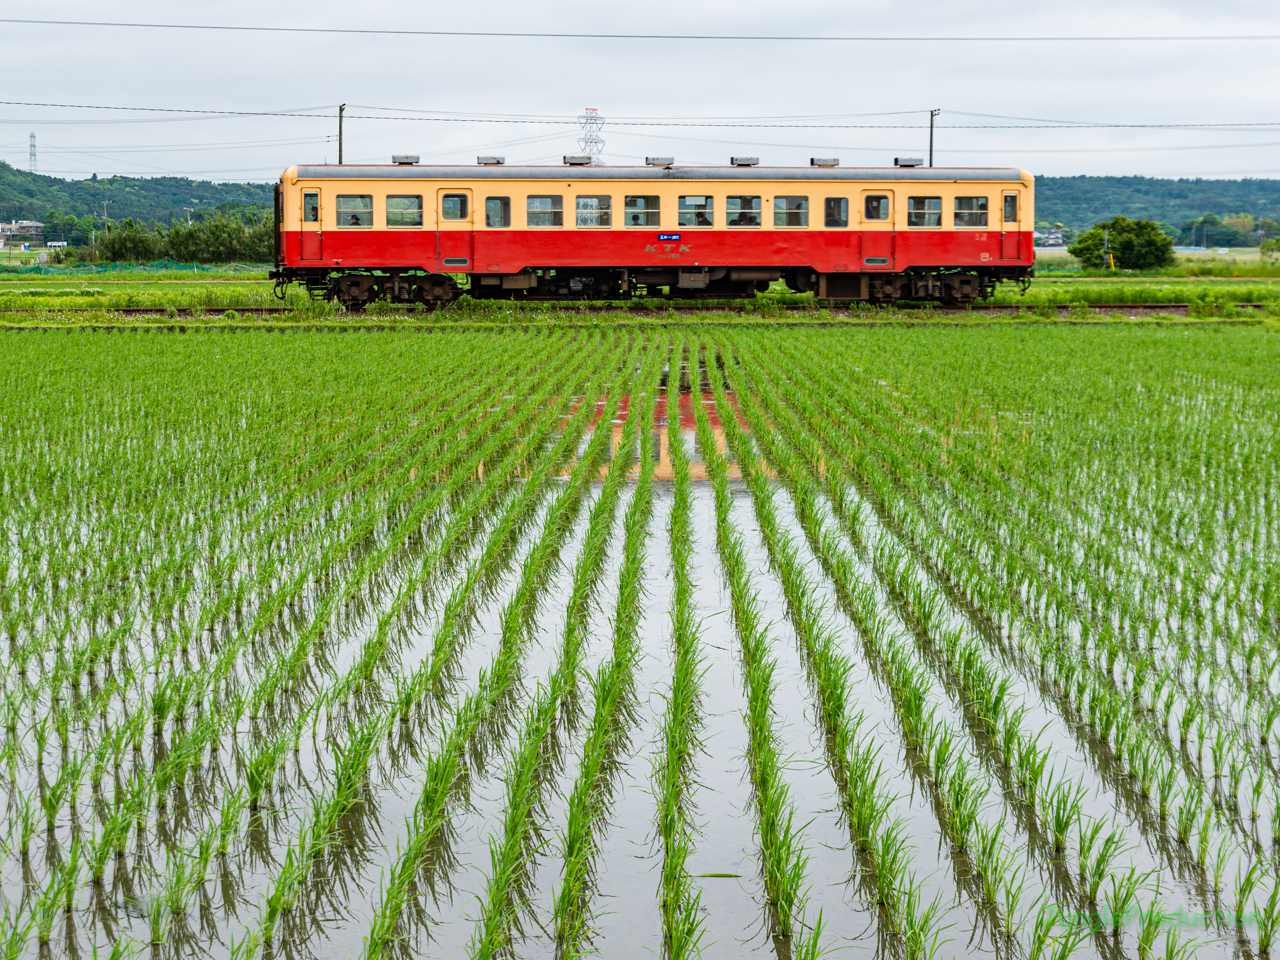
x=491 y=161
x=659 y=161
x=581 y=160
x=745 y=161
x=404 y=159
x=908 y=161
x=824 y=161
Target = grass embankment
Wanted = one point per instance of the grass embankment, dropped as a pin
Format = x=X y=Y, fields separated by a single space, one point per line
x=56 y=301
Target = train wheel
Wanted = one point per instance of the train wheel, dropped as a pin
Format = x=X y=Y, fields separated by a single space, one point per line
x=354 y=291
x=436 y=290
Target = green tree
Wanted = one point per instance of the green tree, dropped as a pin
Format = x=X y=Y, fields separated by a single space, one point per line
x=129 y=241
x=1135 y=244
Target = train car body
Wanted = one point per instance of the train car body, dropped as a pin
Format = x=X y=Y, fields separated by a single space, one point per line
x=428 y=234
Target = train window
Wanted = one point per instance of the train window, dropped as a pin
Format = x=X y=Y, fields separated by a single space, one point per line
x=971 y=211
x=640 y=212
x=1010 y=208
x=594 y=211
x=742 y=211
x=790 y=211
x=453 y=206
x=311 y=208
x=924 y=211
x=497 y=211
x=876 y=208
x=696 y=212
x=404 y=211
x=355 y=210
x=546 y=211
x=835 y=211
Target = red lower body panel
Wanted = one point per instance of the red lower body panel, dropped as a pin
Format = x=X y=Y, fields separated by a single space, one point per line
x=509 y=251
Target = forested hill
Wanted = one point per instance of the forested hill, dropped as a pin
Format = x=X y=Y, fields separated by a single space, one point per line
x=1077 y=202
x=1080 y=202
x=28 y=196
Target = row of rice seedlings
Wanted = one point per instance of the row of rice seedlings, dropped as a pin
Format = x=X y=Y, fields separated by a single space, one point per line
x=679 y=897
x=443 y=770
x=783 y=858
x=1241 y=900
x=612 y=688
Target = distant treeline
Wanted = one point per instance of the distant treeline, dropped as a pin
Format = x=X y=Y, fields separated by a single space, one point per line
x=1235 y=205
x=217 y=239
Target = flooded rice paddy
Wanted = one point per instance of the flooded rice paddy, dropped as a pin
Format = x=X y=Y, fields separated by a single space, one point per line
x=704 y=643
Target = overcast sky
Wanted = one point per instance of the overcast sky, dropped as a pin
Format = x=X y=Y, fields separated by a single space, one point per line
x=837 y=84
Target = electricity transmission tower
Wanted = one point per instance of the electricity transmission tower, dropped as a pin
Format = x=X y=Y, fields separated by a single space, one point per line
x=31 y=156
x=591 y=144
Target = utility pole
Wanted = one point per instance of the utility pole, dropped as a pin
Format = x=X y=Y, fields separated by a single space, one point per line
x=31 y=158
x=341 y=107
x=104 y=212
x=188 y=209
x=932 y=114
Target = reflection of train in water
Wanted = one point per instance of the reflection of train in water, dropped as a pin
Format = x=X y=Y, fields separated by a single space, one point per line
x=415 y=234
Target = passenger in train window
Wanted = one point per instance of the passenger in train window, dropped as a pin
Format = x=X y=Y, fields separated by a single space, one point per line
x=924 y=211
x=642 y=211
x=742 y=211
x=695 y=212
x=971 y=212
x=836 y=211
x=355 y=210
x=876 y=207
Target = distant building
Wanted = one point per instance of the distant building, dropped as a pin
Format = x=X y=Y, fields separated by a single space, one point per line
x=21 y=228
x=1049 y=238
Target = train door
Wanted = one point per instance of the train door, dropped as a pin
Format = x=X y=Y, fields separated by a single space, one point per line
x=312 y=235
x=876 y=220
x=1011 y=228
x=455 y=230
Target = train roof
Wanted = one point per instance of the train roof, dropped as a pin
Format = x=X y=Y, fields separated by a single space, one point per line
x=503 y=172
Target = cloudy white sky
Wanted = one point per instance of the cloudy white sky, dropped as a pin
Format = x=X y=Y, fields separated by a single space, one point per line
x=865 y=102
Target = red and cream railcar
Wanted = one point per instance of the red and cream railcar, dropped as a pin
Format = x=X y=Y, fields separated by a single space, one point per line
x=427 y=234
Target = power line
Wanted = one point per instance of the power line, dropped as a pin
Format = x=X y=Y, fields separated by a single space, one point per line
x=541 y=120
x=755 y=38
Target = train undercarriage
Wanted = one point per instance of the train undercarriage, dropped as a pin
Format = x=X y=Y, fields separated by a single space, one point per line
x=360 y=288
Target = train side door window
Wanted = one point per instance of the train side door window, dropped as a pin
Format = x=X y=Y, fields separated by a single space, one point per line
x=546 y=211
x=311 y=207
x=453 y=206
x=924 y=211
x=497 y=211
x=790 y=211
x=404 y=211
x=355 y=210
x=742 y=211
x=876 y=206
x=593 y=211
x=1010 y=208
x=641 y=212
x=971 y=212
x=696 y=212
x=835 y=211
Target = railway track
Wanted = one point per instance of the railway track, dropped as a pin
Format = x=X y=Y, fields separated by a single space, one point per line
x=751 y=307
